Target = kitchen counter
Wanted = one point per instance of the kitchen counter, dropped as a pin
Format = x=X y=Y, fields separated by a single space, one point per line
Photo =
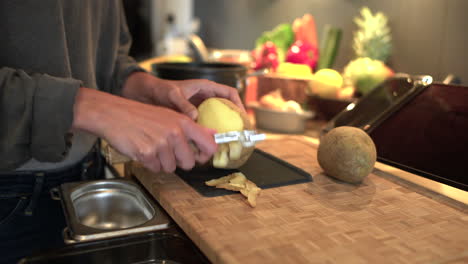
x=383 y=220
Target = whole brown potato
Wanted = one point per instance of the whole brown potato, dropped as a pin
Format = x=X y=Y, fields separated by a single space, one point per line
x=347 y=153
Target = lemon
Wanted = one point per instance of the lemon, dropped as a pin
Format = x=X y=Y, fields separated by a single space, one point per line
x=329 y=76
x=294 y=70
x=326 y=83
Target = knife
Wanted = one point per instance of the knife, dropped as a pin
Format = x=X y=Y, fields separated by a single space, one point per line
x=247 y=138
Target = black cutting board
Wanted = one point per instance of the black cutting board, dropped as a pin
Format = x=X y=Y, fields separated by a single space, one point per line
x=265 y=170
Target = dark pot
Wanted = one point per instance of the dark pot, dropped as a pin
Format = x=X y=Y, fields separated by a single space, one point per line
x=230 y=74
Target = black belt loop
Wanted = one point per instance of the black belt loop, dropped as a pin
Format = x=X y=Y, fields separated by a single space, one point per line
x=38 y=184
x=84 y=169
x=94 y=159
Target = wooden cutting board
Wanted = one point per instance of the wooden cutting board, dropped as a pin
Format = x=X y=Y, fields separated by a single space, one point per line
x=382 y=220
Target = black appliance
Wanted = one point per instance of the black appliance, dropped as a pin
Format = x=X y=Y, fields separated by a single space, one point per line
x=417 y=125
x=168 y=247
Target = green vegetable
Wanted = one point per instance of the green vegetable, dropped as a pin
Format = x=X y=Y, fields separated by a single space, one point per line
x=329 y=47
x=282 y=36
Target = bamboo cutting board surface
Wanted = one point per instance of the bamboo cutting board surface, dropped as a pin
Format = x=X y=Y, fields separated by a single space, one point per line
x=382 y=220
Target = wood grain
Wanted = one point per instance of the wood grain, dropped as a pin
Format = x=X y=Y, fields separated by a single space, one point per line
x=326 y=221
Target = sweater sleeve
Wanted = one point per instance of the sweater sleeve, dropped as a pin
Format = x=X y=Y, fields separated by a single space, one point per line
x=36 y=114
x=125 y=64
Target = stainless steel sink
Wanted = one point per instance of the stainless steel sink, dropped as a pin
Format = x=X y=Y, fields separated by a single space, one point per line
x=108 y=208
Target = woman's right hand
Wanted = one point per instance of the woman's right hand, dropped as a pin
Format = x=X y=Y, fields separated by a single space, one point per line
x=155 y=136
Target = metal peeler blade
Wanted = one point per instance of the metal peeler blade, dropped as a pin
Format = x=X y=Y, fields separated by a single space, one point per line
x=247 y=138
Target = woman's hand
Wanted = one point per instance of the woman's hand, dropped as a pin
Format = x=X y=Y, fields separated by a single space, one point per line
x=183 y=96
x=158 y=137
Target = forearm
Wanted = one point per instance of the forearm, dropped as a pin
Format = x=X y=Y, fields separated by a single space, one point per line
x=87 y=110
x=95 y=111
x=36 y=113
x=136 y=87
x=101 y=113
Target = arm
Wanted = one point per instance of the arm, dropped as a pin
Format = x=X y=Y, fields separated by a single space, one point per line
x=155 y=136
x=36 y=112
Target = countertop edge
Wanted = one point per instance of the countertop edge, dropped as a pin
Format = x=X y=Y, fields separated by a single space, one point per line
x=437 y=187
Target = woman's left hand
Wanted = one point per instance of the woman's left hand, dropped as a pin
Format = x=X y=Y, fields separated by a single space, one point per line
x=183 y=96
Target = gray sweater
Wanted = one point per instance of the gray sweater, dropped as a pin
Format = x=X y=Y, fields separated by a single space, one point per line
x=48 y=49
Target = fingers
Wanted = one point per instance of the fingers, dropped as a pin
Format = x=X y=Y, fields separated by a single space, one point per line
x=202 y=157
x=166 y=156
x=182 y=104
x=178 y=152
x=164 y=151
x=230 y=93
x=203 y=89
x=203 y=140
x=147 y=156
x=174 y=150
x=158 y=137
x=184 y=153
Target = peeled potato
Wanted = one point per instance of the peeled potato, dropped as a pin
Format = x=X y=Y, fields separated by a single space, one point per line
x=221 y=158
x=224 y=116
x=235 y=150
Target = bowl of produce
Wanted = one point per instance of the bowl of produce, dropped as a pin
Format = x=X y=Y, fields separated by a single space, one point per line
x=327 y=95
x=281 y=121
x=274 y=113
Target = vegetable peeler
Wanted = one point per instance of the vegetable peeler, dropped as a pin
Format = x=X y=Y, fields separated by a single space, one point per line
x=247 y=138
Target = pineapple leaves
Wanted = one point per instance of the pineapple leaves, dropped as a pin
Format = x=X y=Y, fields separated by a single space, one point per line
x=373 y=37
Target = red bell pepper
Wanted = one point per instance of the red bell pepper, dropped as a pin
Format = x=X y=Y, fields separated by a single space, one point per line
x=303 y=53
x=305 y=31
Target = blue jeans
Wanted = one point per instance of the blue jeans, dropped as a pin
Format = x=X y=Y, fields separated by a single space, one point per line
x=30 y=220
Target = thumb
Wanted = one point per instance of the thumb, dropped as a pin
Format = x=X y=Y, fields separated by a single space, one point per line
x=203 y=140
x=182 y=104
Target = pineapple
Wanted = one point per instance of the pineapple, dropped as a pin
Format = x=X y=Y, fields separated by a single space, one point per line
x=372 y=39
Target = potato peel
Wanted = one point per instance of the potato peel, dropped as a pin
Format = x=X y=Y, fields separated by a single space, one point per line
x=238 y=182
x=231 y=186
x=251 y=191
x=218 y=181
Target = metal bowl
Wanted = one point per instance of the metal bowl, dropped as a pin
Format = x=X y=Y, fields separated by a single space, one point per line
x=281 y=121
x=108 y=208
x=110 y=205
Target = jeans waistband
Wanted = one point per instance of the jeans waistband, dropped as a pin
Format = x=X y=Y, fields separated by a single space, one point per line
x=25 y=183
